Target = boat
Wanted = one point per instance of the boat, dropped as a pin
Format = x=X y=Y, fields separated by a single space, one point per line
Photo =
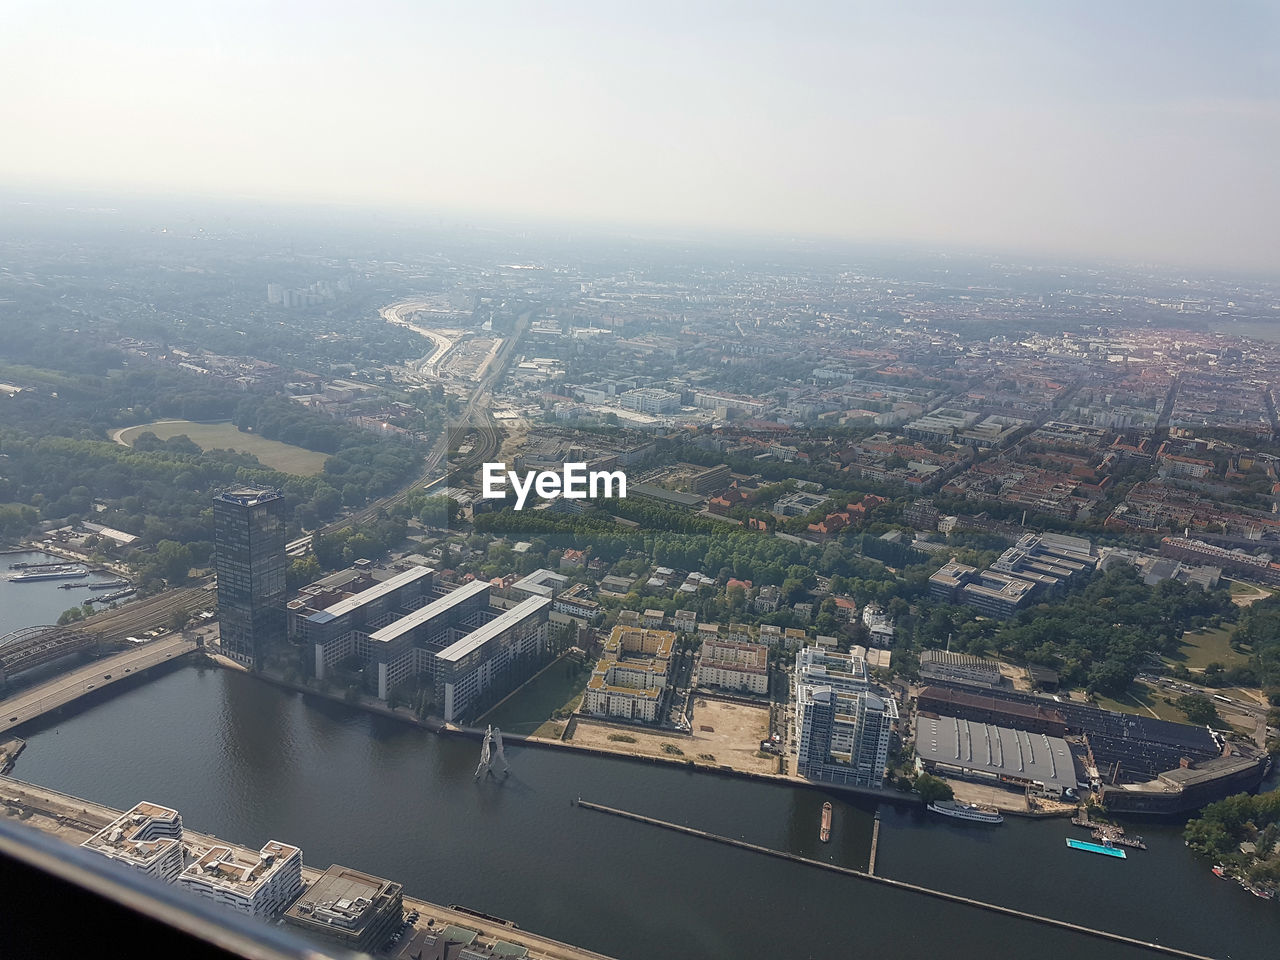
x=1105 y=848
x=965 y=811
x=65 y=571
x=824 y=834
x=1219 y=872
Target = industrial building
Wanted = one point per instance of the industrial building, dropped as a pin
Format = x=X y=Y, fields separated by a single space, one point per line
x=960 y=667
x=354 y=910
x=984 y=707
x=249 y=559
x=985 y=753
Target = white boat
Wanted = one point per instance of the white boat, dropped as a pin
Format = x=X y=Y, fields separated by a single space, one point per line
x=965 y=811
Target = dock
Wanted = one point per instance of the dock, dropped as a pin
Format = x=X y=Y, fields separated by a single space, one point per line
x=899 y=884
x=9 y=750
x=875 y=843
x=1108 y=832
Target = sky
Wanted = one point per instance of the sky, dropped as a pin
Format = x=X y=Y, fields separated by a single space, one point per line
x=1143 y=130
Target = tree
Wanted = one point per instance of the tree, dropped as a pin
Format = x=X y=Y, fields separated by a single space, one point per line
x=173 y=560
x=1198 y=708
x=178 y=619
x=932 y=788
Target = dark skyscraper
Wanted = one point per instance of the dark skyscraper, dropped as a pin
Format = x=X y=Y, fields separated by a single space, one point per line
x=248 y=537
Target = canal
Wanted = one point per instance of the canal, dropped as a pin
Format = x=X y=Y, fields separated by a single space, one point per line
x=250 y=762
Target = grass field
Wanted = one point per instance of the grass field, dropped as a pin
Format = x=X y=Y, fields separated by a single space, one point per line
x=1199 y=649
x=1143 y=701
x=529 y=709
x=224 y=436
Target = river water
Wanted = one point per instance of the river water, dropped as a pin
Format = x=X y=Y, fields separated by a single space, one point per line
x=34 y=604
x=250 y=762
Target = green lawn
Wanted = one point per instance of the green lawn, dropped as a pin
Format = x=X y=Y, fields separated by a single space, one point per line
x=1239 y=588
x=530 y=707
x=224 y=436
x=1199 y=649
x=1138 y=698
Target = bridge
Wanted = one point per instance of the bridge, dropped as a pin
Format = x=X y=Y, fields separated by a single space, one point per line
x=33 y=647
x=58 y=691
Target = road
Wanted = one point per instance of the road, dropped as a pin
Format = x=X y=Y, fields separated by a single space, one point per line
x=31 y=703
x=1255 y=712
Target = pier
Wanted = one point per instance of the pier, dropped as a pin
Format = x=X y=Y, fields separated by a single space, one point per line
x=898 y=884
x=875 y=842
x=1111 y=832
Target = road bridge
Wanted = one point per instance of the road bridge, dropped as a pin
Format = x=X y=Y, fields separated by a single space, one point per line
x=33 y=703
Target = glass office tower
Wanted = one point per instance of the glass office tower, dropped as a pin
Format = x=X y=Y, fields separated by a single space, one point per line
x=249 y=549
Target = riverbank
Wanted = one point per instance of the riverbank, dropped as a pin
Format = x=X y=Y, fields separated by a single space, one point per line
x=74 y=820
x=253 y=761
x=438 y=726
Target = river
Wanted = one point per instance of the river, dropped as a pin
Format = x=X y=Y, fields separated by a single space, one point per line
x=250 y=762
x=34 y=604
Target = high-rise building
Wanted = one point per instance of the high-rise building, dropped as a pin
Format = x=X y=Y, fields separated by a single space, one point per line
x=249 y=549
x=843 y=729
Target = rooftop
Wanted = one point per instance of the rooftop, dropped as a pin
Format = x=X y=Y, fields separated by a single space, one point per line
x=483 y=634
x=425 y=614
x=370 y=594
x=996 y=751
x=341 y=897
x=248 y=498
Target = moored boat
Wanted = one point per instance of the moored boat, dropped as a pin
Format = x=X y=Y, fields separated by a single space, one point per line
x=64 y=571
x=965 y=811
x=1105 y=848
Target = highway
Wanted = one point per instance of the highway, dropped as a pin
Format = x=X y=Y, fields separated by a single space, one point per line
x=35 y=701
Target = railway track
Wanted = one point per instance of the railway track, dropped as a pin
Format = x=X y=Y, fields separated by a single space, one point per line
x=475 y=418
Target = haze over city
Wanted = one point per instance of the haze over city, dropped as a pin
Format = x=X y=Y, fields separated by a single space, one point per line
x=1141 y=131
x=610 y=481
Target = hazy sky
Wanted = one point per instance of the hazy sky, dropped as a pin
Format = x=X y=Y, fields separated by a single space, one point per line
x=1144 y=130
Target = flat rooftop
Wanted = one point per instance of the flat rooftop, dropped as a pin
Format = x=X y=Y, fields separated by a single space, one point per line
x=368 y=595
x=432 y=610
x=995 y=751
x=248 y=498
x=543 y=582
x=483 y=634
x=225 y=866
x=342 y=898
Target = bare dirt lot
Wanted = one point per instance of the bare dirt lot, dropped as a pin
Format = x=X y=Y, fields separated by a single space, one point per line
x=732 y=740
